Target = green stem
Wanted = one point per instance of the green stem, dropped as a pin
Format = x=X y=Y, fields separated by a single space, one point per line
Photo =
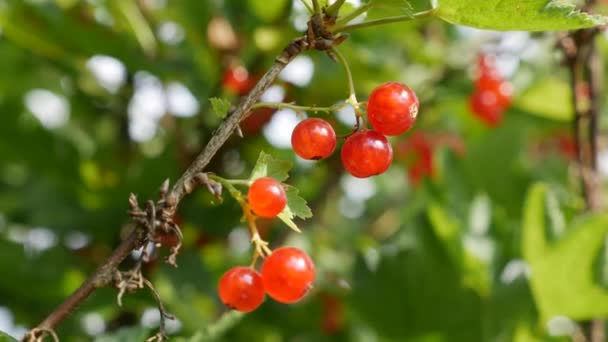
x=316 y=7
x=352 y=15
x=383 y=21
x=333 y=10
x=229 y=185
x=307 y=5
x=139 y=25
x=245 y=182
x=352 y=96
x=297 y=108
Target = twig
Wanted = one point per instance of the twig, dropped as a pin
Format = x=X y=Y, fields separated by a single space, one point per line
x=162 y=333
x=101 y=278
x=585 y=70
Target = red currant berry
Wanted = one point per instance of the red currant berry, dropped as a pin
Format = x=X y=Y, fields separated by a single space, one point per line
x=241 y=289
x=313 y=139
x=287 y=274
x=485 y=106
x=366 y=153
x=237 y=81
x=266 y=197
x=392 y=108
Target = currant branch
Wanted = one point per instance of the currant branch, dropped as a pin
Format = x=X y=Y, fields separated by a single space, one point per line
x=104 y=275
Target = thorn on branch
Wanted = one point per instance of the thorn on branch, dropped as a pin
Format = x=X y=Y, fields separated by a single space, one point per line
x=164 y=188
x=239 y=132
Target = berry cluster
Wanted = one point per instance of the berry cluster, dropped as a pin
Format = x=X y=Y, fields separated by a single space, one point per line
x=492 y=94
x=287 y=273
x=286 y=276
x=391 y=110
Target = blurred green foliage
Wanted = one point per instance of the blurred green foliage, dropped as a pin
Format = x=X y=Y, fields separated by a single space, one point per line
x=491 y=248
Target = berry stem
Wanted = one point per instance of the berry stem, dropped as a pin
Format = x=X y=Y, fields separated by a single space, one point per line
x=245 y=182
x=383 y=21
x=261 y=246
x=352 y=96
x=299 y=108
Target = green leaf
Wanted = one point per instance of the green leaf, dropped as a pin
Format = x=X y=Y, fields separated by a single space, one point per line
x=534 y=100
x=296 y=207
x=220 y=106
x=562 y=278
x=6 y=338
x=268 y=166
x=531 y=15
x=385 y=8
x=474 y=271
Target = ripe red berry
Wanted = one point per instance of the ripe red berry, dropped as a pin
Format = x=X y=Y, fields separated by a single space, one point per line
x=266 y=197
x=287 y=274
x=366 y=153
x=241 y=289
x=392 y=108
x=313 y=139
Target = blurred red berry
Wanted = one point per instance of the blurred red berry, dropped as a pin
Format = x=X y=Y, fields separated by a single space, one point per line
x=332 y=319
x=566 y=146
x=237 y=80
x=492 y=94
x=485 y=107
x=256 y=120
x=417 y=150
